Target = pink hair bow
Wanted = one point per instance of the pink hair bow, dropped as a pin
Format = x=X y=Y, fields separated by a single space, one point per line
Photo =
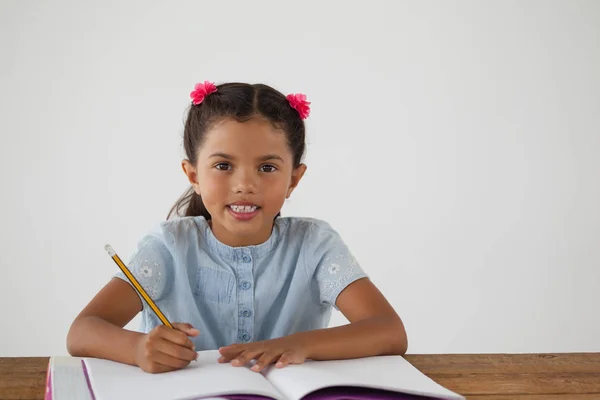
x=201 y=90
x=299 y=103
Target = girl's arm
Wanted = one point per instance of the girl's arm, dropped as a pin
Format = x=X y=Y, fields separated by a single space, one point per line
x=98 y=332
x=374 y=329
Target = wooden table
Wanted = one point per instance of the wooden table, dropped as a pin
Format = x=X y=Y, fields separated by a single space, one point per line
x=573 y=376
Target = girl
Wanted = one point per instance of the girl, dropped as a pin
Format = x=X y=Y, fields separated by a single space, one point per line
x=242 y=279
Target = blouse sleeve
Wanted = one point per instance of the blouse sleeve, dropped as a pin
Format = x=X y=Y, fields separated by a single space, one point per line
x=336 y=267
x=152 y=265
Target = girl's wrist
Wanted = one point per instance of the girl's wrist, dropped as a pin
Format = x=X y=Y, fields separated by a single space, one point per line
x=134 y=341
x=301 y=342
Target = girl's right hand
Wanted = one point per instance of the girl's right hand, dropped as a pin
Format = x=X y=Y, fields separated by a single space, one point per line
x=165 y=349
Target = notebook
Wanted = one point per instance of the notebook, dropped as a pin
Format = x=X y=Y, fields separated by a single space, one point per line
x=65 y=380
x=377 y=378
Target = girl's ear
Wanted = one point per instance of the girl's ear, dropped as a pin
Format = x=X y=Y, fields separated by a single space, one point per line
x=297 y=174
x=190 y=172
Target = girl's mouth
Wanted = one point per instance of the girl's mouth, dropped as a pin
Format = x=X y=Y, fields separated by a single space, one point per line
x=243 y=212
x=243 y=209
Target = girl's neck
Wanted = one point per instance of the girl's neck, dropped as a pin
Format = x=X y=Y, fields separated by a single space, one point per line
x=235 y=240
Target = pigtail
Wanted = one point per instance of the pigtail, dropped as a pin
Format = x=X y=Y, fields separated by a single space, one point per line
x=189 y=205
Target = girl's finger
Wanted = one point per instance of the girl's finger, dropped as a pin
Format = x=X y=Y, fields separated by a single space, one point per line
x=285 y=359
x=265 y=359
x=176 y=351
x=169 y=362
x=228 y=353
x=176 y=336
x=246 y=356
x=186 y=328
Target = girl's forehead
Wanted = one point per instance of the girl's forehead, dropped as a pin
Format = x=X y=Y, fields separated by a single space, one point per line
x=256 y=136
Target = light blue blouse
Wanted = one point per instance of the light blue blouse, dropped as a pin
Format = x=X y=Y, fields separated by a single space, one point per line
x=285 y=285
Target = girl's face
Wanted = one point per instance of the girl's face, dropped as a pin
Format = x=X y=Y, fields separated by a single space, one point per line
x=244 y=174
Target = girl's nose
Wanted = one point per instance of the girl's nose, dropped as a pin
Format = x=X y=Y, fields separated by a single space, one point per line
x=245 y=182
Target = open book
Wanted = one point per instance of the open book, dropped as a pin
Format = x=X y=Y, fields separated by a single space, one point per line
x=382 y=377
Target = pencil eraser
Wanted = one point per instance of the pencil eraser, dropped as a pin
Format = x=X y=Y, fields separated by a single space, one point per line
x=110 y=250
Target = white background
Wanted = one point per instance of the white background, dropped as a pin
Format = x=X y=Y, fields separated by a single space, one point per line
x=454 y=145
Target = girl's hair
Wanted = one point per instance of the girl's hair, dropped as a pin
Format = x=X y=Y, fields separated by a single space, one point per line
x=242 y=102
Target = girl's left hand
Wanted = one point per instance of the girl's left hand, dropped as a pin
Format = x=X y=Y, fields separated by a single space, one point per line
x=281 y=351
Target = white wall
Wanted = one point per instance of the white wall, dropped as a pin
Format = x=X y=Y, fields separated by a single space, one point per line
x=453 y=144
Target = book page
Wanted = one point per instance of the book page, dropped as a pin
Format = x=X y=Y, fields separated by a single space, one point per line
x=205 y=378
x=392 y=373
x=67 y=379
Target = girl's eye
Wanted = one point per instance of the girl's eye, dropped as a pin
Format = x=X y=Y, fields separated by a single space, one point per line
x=268 y=168
x=222 y=166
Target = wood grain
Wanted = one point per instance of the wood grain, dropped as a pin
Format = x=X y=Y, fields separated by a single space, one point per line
x=23 y=378
x=561 y=376
x=514 y=376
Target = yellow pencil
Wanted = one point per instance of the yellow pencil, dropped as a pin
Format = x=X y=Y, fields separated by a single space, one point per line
x=137 y=286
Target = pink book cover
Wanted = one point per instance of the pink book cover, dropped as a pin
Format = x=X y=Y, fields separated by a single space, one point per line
x=48 y=394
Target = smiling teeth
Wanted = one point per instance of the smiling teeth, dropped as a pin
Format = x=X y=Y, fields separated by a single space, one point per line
x=243 y=209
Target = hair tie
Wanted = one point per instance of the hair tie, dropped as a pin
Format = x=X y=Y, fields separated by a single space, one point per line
x=201 y=90
x=299 y=103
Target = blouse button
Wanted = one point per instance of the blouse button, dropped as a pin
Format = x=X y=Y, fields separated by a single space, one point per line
x=244 y=336
x=246 y=313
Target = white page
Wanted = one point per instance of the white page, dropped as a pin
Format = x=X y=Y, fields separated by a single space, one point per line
x=204 y=378
x=383 y=372
x=68 y=380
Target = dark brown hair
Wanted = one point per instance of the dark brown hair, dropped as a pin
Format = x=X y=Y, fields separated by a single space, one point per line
x=240 y=101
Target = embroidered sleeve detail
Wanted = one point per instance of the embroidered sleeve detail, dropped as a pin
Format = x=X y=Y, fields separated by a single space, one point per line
x=336 y=266
x=335 y=274
x=151 y=264
x=150 y=273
